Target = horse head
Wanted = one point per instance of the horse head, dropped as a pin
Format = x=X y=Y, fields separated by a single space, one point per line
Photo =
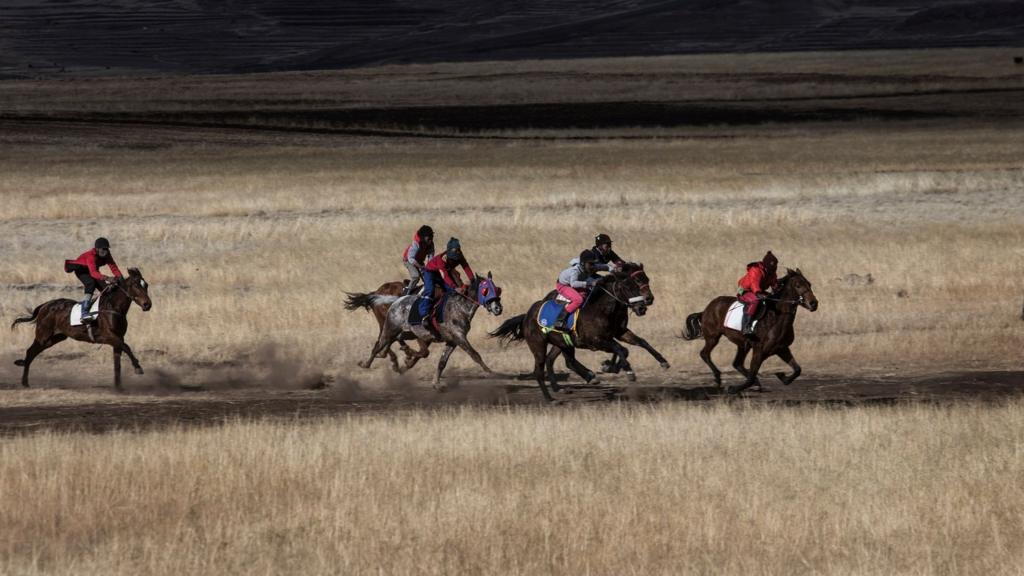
x=632 y=286
x=794 y=286
x=136 y=287
x=488 y=295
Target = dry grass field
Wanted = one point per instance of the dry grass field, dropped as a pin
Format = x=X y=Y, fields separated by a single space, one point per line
x=252 y=203
x=610 y=490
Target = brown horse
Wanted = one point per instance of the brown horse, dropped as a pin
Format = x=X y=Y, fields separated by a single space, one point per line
x=379 y=308
x=601 y=321
x=773 y=333
x=53 y=323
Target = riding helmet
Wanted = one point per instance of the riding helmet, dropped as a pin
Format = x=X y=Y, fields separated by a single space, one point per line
x=425 y=232
x=770 y=261
x=587 y=257
x=102 y=243
x=454 y=249
x=602 y=239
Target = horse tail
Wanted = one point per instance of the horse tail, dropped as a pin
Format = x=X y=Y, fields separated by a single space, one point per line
x=511 y=330
x=358 y=300
x=377 y=300
x=32 y=318
x=692 y=328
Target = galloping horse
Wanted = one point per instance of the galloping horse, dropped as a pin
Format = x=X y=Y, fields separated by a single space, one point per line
x=457 y=312
x=600 y=322
x=53 y=323
x=773 y=333
x=357 y=300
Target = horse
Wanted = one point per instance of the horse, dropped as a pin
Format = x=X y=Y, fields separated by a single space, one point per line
x=457 y=312
x=600 y=321
x=53 y=323
x=357 y=300
x=773 y=333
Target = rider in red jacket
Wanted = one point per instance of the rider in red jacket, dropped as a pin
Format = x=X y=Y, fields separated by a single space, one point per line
x=753 y=287
x=87 y=266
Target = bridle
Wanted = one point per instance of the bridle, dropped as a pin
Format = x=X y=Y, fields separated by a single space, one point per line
x=635 y=300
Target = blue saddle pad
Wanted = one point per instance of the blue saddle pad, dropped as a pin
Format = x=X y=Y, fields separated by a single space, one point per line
x=415 y=319
x=549 y=313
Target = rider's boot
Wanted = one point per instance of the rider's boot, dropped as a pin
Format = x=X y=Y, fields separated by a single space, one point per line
x=748 y=325
x=86 y=308
x=560 y=321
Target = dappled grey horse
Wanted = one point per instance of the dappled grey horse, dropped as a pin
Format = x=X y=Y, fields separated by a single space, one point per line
x=457 y=315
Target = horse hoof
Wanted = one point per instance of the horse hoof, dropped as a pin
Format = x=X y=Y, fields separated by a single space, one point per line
x=440 y=387
x=19 y=362
x=631 y=376
x=363 y=364
x=139 y=371
x=595 y=381
x=665 y=365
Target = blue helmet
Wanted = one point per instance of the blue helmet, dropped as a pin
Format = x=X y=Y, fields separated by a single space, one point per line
x=454 y=249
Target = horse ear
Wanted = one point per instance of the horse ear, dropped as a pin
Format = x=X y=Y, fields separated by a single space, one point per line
x=489 y=275
x=799 y=272
x=134 y=272
x=790 y=271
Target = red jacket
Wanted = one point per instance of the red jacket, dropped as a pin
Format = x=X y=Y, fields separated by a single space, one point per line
x=93 y=262
x=423 y=249
x=441 y=264
x=757 y=278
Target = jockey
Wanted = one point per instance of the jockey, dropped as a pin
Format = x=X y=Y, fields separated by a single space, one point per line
x=441 y=268
x=759 y=278
x=416 y=256
x=87 y=266
x=607 y=259
x=578 y=276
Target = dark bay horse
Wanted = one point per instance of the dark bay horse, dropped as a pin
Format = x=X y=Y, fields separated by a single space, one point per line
x=53 y=323
x=599 y=323
x=773 y=333
x=379 y=308
x=457 y=314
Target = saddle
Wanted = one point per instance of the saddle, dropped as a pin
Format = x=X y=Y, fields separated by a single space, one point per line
x=548 y=314
x=76 y=311
x=436 y=312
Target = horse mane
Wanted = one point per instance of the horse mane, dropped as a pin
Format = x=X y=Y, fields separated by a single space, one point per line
x=790 y=274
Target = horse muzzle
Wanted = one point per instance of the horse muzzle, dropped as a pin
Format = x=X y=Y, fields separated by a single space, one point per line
x=495 y=308
x=638 y=304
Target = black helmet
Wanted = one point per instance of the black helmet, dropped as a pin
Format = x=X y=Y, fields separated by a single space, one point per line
x=602 y=239
x=587 y=257
x=425 y=232
x=102 y=243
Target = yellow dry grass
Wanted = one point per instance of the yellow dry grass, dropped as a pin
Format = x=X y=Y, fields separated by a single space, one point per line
x=610 y=490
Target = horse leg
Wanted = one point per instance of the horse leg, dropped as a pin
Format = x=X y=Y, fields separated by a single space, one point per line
x=737 y=362
x=131 y=356
x=117 y=367
x=394 y=360
x=34 y=350
x=630 y=338
x=579 y=368
x=705 y=354
x=755 y=365
x=539 y=348
x=549 y=367
x=412 y=357
x=448 y=349
x=465 y=345
x=623 y=355
x=787 y=356
x=383 y=342
x=612 y=365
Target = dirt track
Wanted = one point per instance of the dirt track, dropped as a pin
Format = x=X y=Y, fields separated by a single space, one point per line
x=339 y=399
